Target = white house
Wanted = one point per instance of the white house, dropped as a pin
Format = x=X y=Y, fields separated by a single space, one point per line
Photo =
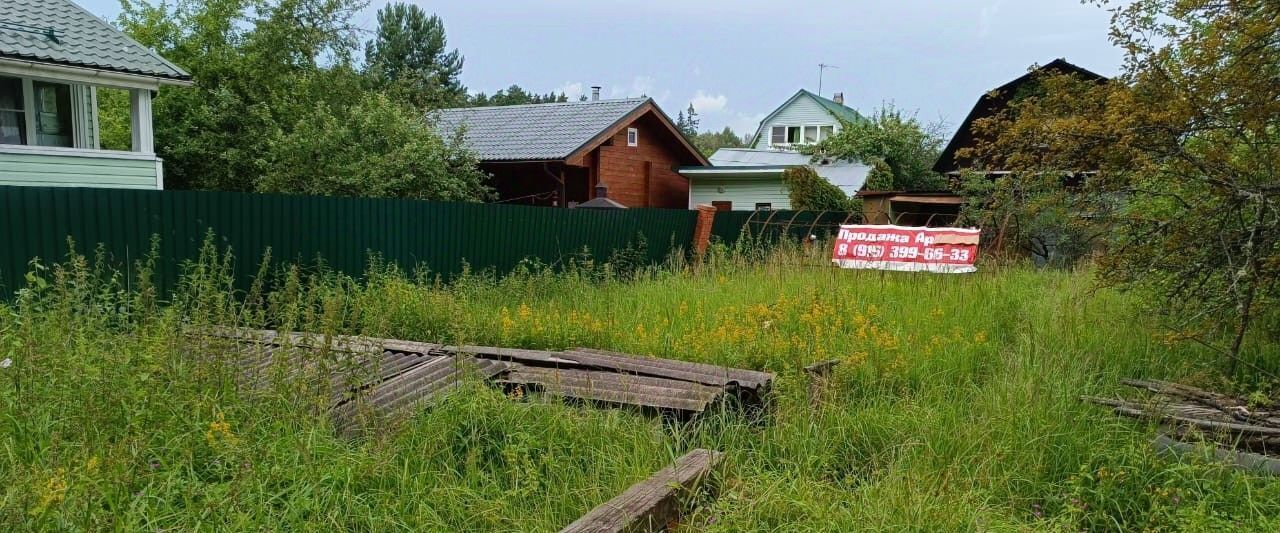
x=745 y=179
x=54 y=56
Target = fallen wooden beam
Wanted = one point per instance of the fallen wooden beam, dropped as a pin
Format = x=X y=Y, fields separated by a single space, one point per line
x=686 y=398
x=1250 y=462
x=655 y=503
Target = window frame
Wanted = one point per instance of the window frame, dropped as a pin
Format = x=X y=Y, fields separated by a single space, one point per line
x=786 y=129
x=633 y=137
x=764 y=206
x=30 y=111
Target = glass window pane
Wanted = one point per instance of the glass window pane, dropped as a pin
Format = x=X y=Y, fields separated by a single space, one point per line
x=825 y=131
x=778 y=135
x=810 y=134
x=53 y=114
x=13 y=121
x=793 y=134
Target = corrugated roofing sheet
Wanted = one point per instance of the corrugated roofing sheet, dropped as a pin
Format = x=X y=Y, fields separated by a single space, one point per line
x=535 y=132
x=61 y=32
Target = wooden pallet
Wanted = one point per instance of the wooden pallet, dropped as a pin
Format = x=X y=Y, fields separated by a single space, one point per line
x=373 y=378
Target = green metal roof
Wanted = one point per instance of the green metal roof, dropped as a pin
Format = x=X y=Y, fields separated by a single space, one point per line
x=839 y=110
x=60 y=32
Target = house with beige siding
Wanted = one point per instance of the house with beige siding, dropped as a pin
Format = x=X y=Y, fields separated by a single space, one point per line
x=747 y=179
x=54 y=59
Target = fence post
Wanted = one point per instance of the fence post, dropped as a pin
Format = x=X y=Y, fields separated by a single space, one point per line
x=702 y=230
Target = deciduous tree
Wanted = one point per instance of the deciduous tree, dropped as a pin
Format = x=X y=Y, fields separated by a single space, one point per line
x=1177 y=161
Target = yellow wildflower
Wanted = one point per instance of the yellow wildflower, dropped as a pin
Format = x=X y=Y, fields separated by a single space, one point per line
x=980 y=337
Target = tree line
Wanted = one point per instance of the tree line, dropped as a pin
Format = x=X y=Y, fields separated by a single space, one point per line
x=288 y=97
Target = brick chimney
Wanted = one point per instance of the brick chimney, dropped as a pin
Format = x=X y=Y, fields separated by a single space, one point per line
x=838 y=98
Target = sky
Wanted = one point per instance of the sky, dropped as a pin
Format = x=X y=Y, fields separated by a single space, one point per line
x=737 y=60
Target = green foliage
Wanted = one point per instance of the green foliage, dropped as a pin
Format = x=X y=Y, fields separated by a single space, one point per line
x=888 y=141
x=375 y=147
x=809 y=191
x=1180 y=156
x=514 y=95
x=114 y=129
x=708 y=142
x=276 y=75
x=409 y=54
x=117 y=417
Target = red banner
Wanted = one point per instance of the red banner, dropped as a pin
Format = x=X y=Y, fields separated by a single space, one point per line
x=904 y=248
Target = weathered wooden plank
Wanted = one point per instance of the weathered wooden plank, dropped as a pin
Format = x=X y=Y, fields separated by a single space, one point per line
x=644 y=391
x=655 y=503
x=700 y=372
x=412 y=389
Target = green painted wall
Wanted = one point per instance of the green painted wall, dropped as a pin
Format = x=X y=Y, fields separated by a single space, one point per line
x=745 y=193
x=18 y=168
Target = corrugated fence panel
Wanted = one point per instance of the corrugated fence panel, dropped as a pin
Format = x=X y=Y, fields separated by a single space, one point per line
x=342 y=232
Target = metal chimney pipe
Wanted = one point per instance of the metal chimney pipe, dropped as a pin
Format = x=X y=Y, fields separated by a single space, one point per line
x=595 y=93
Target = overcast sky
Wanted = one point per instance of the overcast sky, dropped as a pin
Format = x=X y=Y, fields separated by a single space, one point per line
x=737 y=60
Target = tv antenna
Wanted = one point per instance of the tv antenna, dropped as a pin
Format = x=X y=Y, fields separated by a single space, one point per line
x=822 y=67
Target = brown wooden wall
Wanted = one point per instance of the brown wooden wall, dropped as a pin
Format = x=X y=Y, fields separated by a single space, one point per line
x=644 y=175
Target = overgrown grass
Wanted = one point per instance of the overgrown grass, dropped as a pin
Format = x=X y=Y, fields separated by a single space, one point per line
x=955 y=406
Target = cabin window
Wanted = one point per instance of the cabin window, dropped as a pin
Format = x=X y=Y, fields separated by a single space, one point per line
x=53 y=114
x=810 y=134
x=764 y=206
x=633 y=137
x=35 y=113
x=13 y=116
x=794 y=135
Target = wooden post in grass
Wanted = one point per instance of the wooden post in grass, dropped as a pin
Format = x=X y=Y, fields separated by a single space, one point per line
x=819 y=374
x=654 y=504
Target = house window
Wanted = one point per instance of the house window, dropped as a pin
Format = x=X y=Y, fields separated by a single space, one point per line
x=722 y=205
x=53 y=114
x=35 y=113
x=797 y=135
x=810 y=134
x=764 y=206
x=13 y=116
x=633 y=137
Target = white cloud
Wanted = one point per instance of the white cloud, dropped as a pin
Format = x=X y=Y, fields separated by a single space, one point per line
x=640 y=85
x=571 y=89
x=706 y=103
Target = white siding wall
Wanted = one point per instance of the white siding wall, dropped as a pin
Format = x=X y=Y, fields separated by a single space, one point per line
x=745 y=193
x=804 y=111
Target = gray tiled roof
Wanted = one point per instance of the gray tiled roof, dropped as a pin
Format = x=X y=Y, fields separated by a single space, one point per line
x=535 y=132
x=79 y=39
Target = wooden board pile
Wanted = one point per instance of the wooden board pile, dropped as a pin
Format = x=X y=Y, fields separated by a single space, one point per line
x=1189 y=413
x=375 y=378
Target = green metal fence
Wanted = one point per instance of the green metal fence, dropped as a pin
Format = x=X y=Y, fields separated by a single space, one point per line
x=36 y=222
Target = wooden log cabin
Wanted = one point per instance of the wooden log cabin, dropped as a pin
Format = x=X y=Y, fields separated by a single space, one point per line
x=560 y=154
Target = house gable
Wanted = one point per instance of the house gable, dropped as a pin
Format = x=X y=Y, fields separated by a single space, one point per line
x=991 y=104
x=802 y=109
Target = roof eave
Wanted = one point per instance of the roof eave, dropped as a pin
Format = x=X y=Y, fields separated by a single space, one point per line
x=88 y=74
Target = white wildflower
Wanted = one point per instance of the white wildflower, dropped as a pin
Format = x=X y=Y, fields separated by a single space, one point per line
x=6 y=363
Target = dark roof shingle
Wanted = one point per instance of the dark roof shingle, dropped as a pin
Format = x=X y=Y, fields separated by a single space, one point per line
x=534 y=132
x=78 y=39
